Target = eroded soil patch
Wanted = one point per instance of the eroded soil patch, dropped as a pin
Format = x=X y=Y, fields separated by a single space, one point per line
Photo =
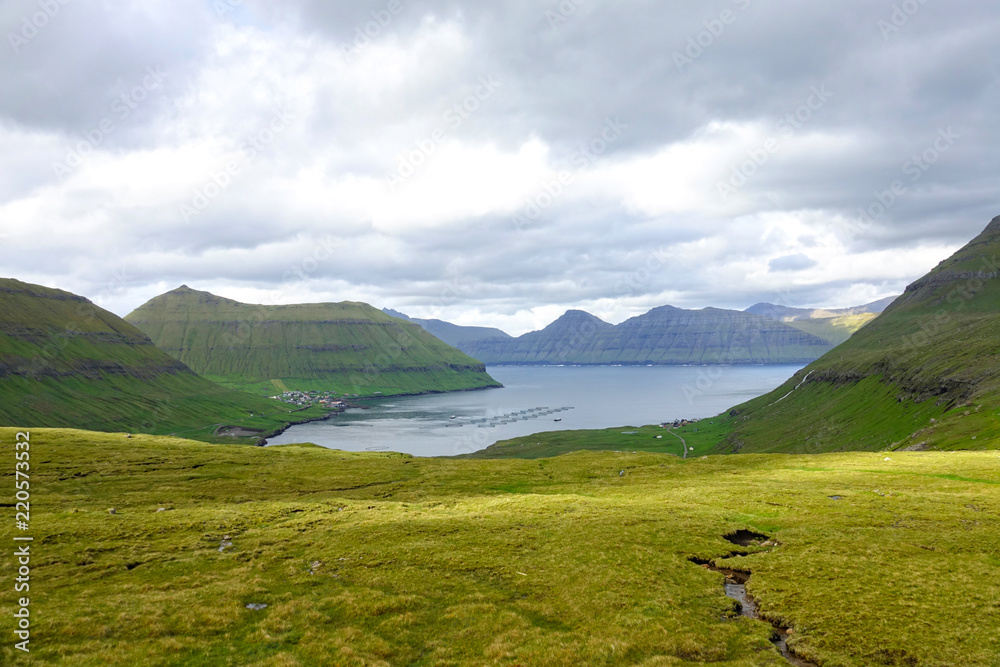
x=735 y=586
x=747 y=538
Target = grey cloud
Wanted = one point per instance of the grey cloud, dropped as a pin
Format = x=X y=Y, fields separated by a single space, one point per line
x=560 y=84
x=72 y=73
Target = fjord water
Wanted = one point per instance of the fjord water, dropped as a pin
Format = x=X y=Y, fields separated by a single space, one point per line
x=532 y=399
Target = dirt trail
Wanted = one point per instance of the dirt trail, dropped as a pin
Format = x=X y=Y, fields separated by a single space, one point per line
x=682 y=441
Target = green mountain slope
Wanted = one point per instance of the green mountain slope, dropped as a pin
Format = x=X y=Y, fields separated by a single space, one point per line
x=924 y=374
x=834 y=330
x=664 y=335
x=65 y=362
x=834 y=325
x=343 y=347
x=789 y=314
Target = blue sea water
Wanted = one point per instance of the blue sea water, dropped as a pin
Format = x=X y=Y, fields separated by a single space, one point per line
x=539 y=398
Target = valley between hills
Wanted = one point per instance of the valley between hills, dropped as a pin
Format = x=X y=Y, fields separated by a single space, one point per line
x=869 y=483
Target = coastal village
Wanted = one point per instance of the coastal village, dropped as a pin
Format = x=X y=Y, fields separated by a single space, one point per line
x=305 y=399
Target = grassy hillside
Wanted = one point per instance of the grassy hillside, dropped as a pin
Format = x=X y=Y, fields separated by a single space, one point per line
x=700 y=438
x=789 y=314
x=664 y=335
x=834 y=330
x=924 y=374
x=66 y=362
x=345 y=347
x=381 y=559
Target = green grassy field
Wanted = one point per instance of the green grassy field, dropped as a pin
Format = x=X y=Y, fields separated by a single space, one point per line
x=383 y=559
x=700 y=438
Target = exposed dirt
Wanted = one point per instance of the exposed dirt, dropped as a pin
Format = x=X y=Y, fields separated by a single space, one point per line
x=746 y=538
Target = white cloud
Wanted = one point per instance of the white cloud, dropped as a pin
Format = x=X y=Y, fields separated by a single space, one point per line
x=641 y=224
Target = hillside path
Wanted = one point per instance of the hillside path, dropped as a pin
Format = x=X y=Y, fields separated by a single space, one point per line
x=682 y=440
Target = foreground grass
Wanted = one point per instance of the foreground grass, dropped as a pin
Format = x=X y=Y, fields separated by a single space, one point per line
x=382 y=559
x=700 y=438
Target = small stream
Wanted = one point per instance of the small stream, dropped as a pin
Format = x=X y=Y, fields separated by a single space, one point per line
x=736 y=589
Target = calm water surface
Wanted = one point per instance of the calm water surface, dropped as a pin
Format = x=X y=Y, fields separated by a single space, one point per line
x=539 y=398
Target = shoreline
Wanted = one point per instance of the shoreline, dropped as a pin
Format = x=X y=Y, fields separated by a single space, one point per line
x=262 y=442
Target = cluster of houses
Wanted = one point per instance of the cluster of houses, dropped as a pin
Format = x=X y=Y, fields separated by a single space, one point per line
x=326 y=399
x=677 y=423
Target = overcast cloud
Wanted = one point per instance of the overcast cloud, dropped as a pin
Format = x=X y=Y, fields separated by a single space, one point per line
x=495 y=163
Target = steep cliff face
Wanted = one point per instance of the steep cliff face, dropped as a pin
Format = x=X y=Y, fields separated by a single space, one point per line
x=576 y=337
x=345 y=347
x=664 y=335
x=65 y=362
x=925 y=373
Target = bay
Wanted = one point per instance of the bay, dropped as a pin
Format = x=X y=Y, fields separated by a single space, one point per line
x=535 y=399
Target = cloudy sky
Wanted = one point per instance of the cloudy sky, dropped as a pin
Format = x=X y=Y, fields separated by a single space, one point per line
x=498 y=162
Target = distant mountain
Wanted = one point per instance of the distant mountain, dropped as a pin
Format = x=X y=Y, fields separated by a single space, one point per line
x=834 y=325
x=65 y=362
x=788 y=314
x=344 y=347
x=925 y=374
x=664 y=335
x=453 y=334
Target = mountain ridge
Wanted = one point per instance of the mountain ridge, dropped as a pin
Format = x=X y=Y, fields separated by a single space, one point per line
x=790 y=314
x=497 y=347
x=348 y=347
x=925 y=374
x=664 y=335
x=65 y=362
x=452 y=334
